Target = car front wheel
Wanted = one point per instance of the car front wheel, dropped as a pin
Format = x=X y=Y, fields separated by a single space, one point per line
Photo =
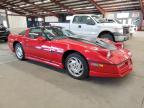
x=19 y=51
x=76 y=66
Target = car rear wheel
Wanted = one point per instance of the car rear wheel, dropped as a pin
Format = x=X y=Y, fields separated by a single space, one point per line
x=107 y=36
x=19 y=51
x=76 y=66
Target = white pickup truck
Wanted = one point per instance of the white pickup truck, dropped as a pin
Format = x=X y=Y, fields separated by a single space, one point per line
x=90 y=25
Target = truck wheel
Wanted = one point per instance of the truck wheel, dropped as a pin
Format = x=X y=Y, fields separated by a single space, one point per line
x=107 y=36
x=19 y=51
x=76 y=66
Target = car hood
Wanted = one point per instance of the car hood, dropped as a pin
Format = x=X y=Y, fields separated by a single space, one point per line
x=118 y=55
x=97 y=43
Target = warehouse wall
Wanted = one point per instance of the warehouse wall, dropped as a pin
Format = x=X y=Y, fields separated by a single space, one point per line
x=17 y=22
x=51 y=19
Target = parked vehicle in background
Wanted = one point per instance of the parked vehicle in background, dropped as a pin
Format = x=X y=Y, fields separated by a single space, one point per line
x=132 y=27
x=4 y=32
x=81 y=58
x=94 y=26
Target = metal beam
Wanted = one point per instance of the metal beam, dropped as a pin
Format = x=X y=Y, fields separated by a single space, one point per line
x=12 y=14
x=13 y=5
x=41 y=8
x=69 y=10
x=97 y=6
x=12 y=10
x=14 y=2
x=142 y=7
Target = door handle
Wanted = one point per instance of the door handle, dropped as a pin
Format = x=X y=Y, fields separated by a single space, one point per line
x=79 y=26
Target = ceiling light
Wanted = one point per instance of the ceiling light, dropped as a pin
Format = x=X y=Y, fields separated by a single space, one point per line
x=24 y=5
x=46 y=1
x=90 y=7
x=37 y=2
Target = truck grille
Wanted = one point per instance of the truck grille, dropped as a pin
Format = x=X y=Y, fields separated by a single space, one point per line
x=125 y=30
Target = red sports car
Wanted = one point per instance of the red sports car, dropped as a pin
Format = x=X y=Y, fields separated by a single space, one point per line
x=81 y=58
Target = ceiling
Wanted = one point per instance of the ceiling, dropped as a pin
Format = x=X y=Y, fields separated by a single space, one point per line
x=56 y=7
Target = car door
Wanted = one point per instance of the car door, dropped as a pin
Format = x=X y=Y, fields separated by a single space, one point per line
x=75 y=25
x=86 y=26
x=37 y=45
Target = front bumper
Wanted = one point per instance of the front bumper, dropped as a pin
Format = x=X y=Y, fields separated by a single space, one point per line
x=121 y=38
x=111 y=70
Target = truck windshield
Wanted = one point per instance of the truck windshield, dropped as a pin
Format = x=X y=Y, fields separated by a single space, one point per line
x=99 y=19
x=118 y=21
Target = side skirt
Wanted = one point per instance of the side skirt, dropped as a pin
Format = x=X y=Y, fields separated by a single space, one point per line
x=46 y=62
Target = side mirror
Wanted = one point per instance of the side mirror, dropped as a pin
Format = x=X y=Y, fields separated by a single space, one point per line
x=41 y=39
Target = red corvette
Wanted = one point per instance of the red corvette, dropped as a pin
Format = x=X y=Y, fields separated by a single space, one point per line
x=63 y=49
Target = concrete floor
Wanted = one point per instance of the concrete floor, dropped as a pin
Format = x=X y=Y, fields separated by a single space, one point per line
x=30 y=84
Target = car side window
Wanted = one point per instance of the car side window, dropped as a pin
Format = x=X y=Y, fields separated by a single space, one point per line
x=35 y=33
x=87 y=20
x=77 y=19
x=83 y=20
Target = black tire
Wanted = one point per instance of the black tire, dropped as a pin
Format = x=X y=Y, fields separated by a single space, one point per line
x=84 y=73
x=107 y=36
x=18 y=45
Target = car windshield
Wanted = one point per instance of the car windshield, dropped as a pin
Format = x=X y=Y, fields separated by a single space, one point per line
x=99 y=19
x=55 y=32
x=61 y=33
x=113 y=21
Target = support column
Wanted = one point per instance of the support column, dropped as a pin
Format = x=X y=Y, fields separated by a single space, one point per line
x=43 y=20
x=7 y=20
